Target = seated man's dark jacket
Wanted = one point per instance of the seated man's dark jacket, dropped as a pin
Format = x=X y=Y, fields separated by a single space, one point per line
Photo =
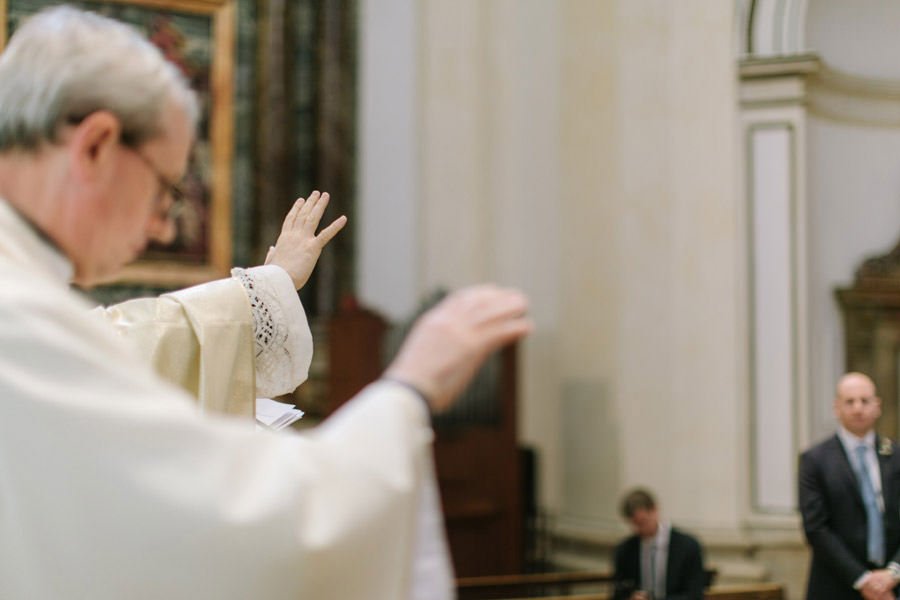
x=834 y=517
x=685 y=577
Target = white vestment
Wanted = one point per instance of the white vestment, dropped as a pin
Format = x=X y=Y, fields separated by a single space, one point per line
x=202 y=338
x=113 y=485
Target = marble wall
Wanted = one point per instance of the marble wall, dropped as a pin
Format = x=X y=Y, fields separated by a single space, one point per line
x=593 y=153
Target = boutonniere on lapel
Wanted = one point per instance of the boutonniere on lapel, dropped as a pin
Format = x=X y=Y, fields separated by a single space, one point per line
x=886 y=447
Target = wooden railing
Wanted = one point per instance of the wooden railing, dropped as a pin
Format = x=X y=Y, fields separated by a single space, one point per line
x=759 y=591
x=561 y=586
x=526 y=584
x=753 y=592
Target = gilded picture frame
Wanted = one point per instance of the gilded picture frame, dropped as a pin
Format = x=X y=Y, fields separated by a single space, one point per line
x=199 y=37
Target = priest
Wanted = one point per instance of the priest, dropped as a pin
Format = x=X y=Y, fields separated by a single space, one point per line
x=113 y=482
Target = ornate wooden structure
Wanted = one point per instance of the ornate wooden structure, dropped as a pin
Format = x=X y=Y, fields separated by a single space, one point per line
x=476 y=453
x=871 y=312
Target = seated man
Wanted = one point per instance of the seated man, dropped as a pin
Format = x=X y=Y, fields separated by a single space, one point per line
x=658 y=562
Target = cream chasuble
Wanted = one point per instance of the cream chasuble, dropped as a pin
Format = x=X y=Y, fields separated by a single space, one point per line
x=113 y=485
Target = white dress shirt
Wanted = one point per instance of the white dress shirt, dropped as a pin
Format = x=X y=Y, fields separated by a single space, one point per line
x=654 y=556
x=850 y=442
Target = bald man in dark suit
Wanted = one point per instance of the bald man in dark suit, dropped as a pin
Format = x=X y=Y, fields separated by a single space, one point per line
x=849 y=487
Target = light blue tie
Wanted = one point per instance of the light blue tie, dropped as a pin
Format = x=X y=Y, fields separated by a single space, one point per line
x=875 y=529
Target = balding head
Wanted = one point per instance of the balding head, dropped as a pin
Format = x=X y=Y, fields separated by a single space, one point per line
x=854 y=381
x=856 y=405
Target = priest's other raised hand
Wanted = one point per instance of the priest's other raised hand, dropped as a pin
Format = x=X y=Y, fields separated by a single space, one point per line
x=448 y=343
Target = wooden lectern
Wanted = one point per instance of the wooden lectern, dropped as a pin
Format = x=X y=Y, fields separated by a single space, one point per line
x=475 y=449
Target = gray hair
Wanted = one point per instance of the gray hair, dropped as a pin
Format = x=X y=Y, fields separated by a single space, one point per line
x=63 y=64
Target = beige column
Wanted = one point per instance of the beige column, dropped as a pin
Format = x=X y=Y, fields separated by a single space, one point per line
x=586 y=151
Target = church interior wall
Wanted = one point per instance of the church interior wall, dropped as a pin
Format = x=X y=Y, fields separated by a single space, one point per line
x=588 y=152
x=854 y=215
x=854 y=174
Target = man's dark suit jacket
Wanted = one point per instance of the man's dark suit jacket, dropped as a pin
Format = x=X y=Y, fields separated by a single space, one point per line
x=685 y=577
x=834 y=517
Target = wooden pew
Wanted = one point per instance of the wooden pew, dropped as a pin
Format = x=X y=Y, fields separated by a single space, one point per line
x=759 y=591
x=597 y=596
x=763 y=591
x=494 y=587
x=525 y=584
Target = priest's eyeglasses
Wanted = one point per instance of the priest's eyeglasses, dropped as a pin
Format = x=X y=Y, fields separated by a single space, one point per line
x=167 y=188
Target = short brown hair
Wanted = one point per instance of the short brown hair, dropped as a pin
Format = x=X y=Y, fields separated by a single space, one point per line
x=637 y=499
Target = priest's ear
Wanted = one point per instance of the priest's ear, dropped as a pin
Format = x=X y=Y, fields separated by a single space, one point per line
x=93 y=143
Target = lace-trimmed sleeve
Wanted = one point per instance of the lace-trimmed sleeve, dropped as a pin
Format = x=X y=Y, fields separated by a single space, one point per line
x=282 y=336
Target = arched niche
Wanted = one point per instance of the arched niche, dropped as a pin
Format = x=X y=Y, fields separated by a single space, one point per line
x=771 y=27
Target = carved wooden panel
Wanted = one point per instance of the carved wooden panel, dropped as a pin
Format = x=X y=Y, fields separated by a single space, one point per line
x=871 y=314
x=476 y=458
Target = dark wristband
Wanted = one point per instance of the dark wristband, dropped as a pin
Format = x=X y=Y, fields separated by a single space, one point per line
x=418 y=392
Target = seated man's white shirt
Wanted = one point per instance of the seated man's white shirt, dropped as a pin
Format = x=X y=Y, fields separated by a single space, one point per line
x=113 y=485
x=655 y=559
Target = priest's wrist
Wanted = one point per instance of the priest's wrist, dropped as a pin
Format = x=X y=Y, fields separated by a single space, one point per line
x=413 y=388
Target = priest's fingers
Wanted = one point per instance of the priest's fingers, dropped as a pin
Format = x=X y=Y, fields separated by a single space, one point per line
x=310 y=214
x=292 y=215
x=298 y=246
x=500 y=318
x=504 y=332
x=495 y=304
x=449 y=343
x=328 y=233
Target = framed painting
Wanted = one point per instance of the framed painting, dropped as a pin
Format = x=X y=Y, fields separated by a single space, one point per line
x=199 y=37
